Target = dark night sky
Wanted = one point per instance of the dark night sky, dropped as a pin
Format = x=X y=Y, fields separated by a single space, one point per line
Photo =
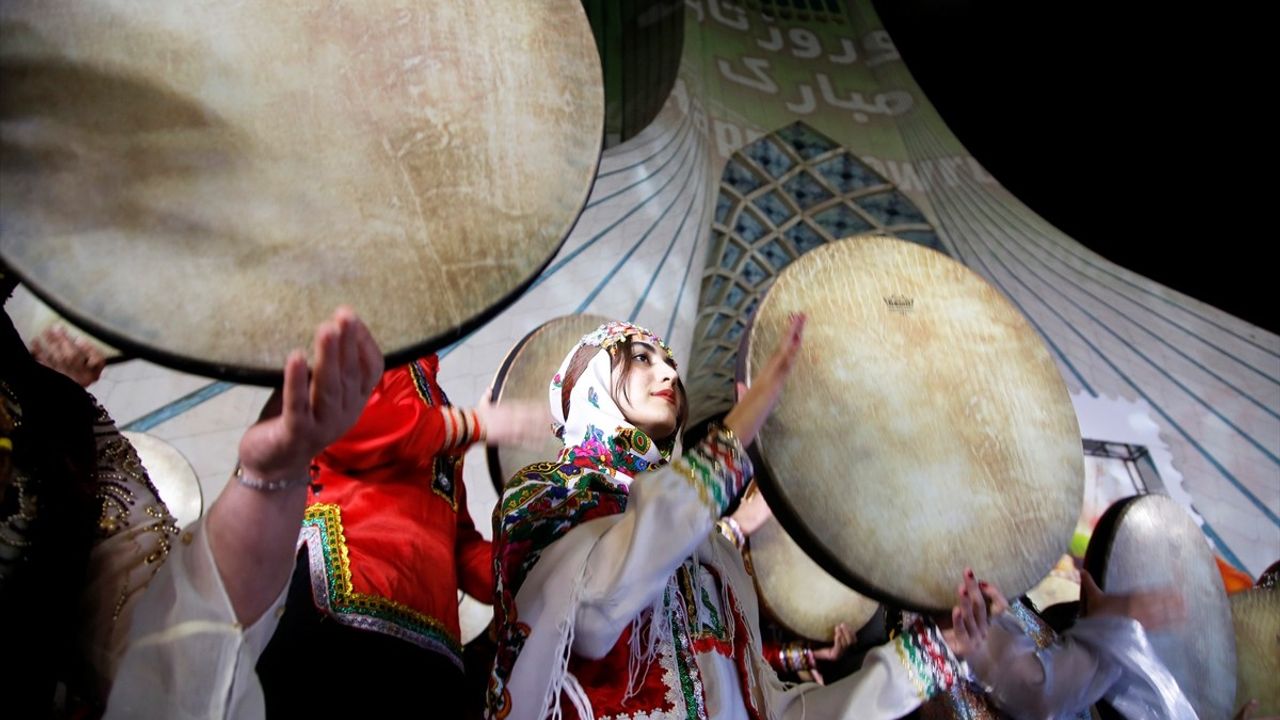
x=1135 y=131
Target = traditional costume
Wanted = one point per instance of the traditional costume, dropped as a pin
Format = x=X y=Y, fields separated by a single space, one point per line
x=616 y=597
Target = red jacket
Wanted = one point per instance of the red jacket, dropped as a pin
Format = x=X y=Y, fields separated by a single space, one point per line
x=387 y=531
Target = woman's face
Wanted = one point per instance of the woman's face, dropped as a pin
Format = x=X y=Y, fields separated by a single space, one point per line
x=648 y=399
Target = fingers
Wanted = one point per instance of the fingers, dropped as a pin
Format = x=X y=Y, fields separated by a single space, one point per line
x=75 y=358
x=969 y=617
x=839 y=644
x=843 y=639
x=1090 y=593
x=325 y=379
x=789 y=346
x=296 y=401
x=371 y=360
x=349 y=358
x=960 y=629
x=976 y=601
x=796 y=331
x=967 y=625
x=999 y=603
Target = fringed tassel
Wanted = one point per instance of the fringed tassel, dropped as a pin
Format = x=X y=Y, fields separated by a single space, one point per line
x=561 y=678
x=578 y=697
x=648 y=629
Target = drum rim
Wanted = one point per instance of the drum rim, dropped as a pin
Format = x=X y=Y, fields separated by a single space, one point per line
x=1104 y=534
x=1097 y=555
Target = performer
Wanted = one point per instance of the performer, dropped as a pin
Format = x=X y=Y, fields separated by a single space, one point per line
x=386 y=543
x=207 y=615
x=1028 y=673
x=616 y=596
x=82 y=529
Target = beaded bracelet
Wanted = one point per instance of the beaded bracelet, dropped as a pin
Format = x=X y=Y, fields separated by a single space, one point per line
x=796 y=657
x=931 y=664
x=718 y=469
x=254 y=483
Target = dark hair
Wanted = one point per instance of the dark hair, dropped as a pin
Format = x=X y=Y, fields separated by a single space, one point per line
x=622 y=355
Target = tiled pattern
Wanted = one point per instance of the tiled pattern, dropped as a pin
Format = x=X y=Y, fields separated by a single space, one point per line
x=810 y=192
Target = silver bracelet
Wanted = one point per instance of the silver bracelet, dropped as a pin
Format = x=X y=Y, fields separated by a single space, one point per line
x=255 y=484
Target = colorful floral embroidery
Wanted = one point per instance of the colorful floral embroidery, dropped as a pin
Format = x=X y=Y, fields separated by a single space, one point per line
x=541 y=503
x=718 y=469
x=707 y=630
x=693 y=693
x=619 y=451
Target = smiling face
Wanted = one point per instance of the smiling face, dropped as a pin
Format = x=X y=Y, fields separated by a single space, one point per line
x=647 y=389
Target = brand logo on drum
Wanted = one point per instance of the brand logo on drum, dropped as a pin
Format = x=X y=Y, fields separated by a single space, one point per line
x=900 y=303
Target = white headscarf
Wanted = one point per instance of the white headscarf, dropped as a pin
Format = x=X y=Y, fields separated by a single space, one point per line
x=595 y=426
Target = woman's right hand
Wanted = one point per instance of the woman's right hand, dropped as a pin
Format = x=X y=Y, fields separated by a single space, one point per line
x=748 y=416
x=1155 y=609
x=514 y=422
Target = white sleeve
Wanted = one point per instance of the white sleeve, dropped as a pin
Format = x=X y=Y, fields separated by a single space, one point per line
x=187 y=656
x=134 y=535
x=1099 y=657
x=885 y=687
x=1030 y=683
x=629 y=563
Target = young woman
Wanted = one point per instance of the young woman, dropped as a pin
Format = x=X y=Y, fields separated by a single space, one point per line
x=616 y=597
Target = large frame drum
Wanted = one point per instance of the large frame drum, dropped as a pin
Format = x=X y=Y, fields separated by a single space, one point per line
x=1147 y=542
x=201 y=183
x=924 y=429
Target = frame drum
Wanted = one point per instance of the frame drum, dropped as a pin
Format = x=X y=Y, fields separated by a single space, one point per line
x=203 y=182
x=925 y=428
x=1149 y=541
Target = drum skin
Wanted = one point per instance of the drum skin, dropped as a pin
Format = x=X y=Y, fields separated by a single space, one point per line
x=923 y=430
x=1256 y=616
x=172 y=475
x=1147 y=542
x=203 y=182
x=799 y=594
